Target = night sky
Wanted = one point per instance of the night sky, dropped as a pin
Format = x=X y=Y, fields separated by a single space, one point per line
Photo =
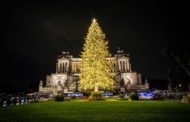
x=35 y=33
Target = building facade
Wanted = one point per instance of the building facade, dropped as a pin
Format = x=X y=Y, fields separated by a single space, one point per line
x=66 y=78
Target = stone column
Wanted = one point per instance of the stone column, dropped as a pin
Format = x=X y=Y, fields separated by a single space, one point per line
x=119 y=65
x=41 y=86
x=125 y=66
x=65 y=67
x=128 y=68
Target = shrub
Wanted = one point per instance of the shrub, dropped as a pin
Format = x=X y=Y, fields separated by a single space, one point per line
x=59 y=98
x=185 y=99
x=178 y=97
x=74 y=97
x=86 y=93
x=158 y=96
x=133 y=96
x=121 y=95
x=67 y=98
x=96 y=96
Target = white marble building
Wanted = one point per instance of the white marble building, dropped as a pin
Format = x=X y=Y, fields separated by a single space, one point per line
x=67 y=74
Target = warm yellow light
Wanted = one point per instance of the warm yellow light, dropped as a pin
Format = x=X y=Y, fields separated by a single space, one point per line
x=94 y=20
x=95 y=69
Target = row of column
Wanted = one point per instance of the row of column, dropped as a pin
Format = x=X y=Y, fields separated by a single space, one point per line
x=124 y=66
x=76 y=67
x=121 y=65
x=62 y=67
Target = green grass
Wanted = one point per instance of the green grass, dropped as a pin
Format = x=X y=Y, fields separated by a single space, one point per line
x=106 y=111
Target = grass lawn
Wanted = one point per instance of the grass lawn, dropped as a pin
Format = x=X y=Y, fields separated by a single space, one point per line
x=106 y=111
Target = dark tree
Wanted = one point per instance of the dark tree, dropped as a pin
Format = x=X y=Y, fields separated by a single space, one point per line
x=178 y=56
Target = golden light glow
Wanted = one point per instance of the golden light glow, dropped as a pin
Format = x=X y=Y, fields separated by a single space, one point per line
x=94 y=20
x=95 y=70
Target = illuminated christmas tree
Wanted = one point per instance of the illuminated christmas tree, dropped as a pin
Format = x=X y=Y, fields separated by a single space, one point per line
x=95 y=69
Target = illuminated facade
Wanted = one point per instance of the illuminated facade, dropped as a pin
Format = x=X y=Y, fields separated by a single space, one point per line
x=67 y=74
